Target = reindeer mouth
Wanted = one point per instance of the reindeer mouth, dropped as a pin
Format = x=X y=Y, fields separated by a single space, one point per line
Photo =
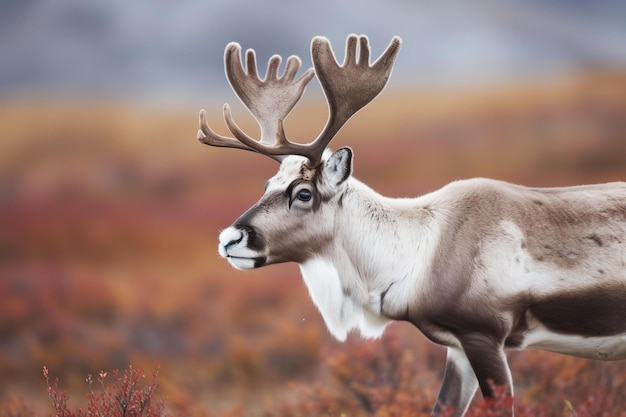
x=241 y=262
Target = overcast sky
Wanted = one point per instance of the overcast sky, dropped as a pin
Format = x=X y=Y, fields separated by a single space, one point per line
x=172 y=49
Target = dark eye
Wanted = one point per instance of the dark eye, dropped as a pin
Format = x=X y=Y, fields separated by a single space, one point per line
x=304 y=195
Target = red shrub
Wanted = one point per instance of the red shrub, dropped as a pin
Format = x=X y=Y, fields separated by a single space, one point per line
x=125 y=397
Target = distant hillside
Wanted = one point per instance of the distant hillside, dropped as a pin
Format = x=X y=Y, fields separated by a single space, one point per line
x=172 y=51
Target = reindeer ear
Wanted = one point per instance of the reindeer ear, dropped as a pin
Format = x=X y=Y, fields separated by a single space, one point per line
x=338 y=167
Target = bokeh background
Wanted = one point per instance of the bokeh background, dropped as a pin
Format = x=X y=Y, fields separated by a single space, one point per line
x=110 y=207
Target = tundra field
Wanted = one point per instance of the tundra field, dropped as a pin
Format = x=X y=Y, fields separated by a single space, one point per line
x=109 y=216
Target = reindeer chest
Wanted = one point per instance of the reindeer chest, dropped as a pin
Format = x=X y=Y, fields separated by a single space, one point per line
x=340 y=311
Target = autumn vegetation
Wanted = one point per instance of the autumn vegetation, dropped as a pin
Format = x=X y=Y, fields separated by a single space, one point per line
x=109 y=216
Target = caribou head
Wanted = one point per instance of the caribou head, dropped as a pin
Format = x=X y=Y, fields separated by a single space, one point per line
x=308 y=186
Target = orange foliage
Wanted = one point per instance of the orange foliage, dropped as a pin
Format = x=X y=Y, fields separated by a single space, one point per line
x=109 y=218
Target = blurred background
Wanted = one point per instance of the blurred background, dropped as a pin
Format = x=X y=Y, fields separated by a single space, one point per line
x=110 y=207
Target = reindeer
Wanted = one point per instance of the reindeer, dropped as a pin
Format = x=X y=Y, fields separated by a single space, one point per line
x=478 y=266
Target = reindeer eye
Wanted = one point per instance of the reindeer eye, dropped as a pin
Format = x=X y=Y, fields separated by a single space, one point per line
x=304 y=195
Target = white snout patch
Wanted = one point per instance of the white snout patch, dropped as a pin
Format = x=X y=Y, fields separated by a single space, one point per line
x=233 y=245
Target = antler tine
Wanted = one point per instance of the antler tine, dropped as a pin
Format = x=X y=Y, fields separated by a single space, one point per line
x=207 y=136
x=350 y=86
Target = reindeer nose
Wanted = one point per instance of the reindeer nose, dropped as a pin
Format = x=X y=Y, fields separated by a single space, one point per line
x=229 y=238
x=234 y=241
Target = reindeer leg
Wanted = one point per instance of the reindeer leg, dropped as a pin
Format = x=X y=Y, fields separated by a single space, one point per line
x=458 y=386
x=489 y=363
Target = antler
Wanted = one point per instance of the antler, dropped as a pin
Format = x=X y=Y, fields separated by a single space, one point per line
x=269 y=100
x=347 y=87
x=350 y=86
